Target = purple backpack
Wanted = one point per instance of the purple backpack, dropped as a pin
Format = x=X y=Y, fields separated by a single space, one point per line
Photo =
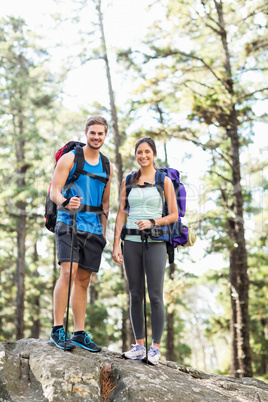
x=178 y=233
x=175 y=234
x=179 y=188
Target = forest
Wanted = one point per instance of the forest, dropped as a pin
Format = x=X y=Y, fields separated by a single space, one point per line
x=197 y=84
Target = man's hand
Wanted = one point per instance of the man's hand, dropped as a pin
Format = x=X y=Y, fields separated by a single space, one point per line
x=74 y=203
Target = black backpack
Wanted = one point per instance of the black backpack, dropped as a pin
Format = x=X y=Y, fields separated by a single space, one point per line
x=50 y=207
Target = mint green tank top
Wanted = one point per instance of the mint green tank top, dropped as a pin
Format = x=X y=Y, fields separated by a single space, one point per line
x=144 y=203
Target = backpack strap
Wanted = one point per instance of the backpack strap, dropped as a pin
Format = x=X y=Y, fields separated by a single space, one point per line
x=95 y=176
x=86 y=208
x=105 y=164
x=159 y=182
x=160 y=175
x=79 y=159
x=129 y=186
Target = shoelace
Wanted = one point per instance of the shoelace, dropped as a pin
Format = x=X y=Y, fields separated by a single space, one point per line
x=135 y=347
x=88 y=338
x=153 y=352
x=62 y=335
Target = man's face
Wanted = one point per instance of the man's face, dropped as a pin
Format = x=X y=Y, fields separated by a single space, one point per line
x=95 y=136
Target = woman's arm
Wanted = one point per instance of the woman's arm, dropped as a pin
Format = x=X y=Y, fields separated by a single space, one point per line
x=119 y=223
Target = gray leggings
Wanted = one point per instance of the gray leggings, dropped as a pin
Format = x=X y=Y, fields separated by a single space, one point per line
x=155 y=263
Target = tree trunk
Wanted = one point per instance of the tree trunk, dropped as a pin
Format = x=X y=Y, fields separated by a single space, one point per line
x=170 y=353
x=54 y=278
x=125 y=316
x=241 y=355
x=1 y=305
x=233 y=294
x=130 y=335
x=36 y=302
x=170 y=350
x=238 y=267
x=263 y=366
x=162 y=123
x=199 y=336
x=93 y=294
x=127 y=334
x=238 y=255
x=115 y=129
x=21 y=237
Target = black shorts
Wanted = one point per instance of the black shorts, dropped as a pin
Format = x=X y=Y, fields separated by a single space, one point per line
x=87 y=251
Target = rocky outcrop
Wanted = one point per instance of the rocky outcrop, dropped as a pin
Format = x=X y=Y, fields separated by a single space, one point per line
x=35 y=370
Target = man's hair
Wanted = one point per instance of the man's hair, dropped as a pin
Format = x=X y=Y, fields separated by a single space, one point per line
x=96 y=120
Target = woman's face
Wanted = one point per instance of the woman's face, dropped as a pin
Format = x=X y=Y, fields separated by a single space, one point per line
x=144 y=155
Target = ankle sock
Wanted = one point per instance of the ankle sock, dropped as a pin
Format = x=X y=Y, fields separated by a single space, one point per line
x=78 y=332
x=54 y=329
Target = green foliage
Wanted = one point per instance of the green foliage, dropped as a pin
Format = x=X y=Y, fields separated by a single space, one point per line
x=97 y=321
x=7 y=284
x=183 y=88
x=28 y=113
x=258 y=310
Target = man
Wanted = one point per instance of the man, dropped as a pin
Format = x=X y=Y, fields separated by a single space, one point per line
x=92 y=188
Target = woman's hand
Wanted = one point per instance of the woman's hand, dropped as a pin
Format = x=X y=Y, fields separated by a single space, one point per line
x=144 y=224
x=117 y=255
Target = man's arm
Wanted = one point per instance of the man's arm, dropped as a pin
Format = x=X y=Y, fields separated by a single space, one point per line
x=106 y=202
x=59 y=178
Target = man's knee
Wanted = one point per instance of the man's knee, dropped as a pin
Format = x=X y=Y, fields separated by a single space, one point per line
x=82 y=279
x=65 y=270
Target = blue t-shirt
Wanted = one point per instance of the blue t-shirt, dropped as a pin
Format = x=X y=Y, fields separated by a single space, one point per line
x=92 y=192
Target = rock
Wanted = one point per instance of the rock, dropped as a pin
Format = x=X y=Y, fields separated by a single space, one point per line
x=35 y=370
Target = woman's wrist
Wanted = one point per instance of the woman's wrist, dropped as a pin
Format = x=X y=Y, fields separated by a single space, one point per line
x=153 y=223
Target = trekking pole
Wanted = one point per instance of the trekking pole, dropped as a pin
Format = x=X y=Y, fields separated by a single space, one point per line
x=144 y=295
x=70 y=277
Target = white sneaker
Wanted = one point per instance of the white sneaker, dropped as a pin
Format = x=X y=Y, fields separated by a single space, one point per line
x=153 y=356
x=137 y=352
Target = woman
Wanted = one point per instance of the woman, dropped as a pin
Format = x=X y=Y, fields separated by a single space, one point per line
x=145 y=211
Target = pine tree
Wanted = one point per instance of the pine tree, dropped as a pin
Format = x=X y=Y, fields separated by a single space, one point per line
x=198 y=61
x=25 y=96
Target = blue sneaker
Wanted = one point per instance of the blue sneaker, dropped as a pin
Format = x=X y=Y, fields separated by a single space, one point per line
x=84 y=341
x=58 y=338
x=137 y=352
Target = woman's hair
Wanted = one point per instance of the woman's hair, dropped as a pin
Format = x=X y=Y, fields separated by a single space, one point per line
x=91 y=121
x=151 y=143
